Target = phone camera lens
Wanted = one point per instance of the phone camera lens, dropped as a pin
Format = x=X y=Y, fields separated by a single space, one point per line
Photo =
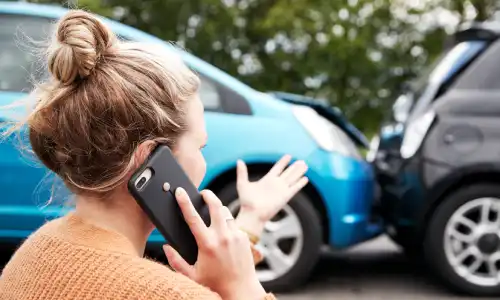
x=141 y=182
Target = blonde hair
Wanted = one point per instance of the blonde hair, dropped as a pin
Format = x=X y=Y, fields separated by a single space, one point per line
x=103 y=99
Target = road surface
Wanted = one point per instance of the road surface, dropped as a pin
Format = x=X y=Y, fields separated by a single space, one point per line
x=374 y=270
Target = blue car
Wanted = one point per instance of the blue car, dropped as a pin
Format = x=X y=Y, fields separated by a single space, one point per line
x=335 y=209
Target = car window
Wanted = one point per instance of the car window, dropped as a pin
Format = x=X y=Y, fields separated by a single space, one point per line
x=434 y=79
x=209 y=94
x=447 y=65
x=483 y=74
x=19 y=67
x=19 y=36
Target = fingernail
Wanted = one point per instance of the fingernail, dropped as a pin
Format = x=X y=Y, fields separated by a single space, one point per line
x=179 y=191
x=168 y=253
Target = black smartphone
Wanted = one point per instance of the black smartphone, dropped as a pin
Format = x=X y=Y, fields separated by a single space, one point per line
x=153 y=186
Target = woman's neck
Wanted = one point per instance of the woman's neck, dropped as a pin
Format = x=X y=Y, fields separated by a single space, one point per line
x=120 y=214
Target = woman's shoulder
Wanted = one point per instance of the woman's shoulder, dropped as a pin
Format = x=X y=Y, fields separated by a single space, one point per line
x=84 y=264
x=111 y=275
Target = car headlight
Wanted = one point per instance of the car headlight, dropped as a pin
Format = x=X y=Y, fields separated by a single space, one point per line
x=372 y=153
x=415 y=134
x=327 y=135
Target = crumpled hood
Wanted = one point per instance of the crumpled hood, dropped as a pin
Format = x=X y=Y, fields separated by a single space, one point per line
x=331 y=113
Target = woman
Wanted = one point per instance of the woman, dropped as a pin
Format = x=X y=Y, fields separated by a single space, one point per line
x=106 y=106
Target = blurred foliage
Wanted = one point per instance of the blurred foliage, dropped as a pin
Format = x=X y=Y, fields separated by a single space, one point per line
x=355 y=53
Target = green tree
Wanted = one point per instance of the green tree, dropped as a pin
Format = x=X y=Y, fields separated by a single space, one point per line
x=355 y=53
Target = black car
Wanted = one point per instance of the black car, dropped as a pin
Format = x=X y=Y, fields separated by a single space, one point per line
x=438 y=164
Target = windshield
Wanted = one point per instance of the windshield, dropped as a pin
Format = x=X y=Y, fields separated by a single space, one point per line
x=427 y=84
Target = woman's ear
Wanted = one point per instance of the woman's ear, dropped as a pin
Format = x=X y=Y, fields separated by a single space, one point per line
x=142 y=152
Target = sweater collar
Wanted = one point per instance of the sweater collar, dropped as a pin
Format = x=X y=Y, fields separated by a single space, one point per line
x=84 y=232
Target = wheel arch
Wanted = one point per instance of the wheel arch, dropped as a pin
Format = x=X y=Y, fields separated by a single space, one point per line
x=460 y=178
x=310 y=190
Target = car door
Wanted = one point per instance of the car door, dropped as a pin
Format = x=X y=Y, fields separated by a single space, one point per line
x=24 y=184
x=226 y=112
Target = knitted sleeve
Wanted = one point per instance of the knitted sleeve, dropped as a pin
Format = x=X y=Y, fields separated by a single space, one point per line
x=161 y=283
x=191 y=292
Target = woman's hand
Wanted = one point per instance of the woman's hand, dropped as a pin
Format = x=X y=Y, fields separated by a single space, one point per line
x=225 y=262
x=263 y=199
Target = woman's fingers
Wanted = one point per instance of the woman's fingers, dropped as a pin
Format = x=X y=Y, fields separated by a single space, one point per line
x=177 y=262
x=193 y=219
x=241 y=172
x=219 y=214
x=228 y=218
x=297 y=186
x=214 y=204
x=295 y=172
x=280 y=165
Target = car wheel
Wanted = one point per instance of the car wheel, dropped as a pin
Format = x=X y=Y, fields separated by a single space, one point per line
x=290 y=242
x=462 y=241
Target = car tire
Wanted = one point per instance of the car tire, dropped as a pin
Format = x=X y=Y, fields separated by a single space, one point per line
x=312 y=241
x=435 y=240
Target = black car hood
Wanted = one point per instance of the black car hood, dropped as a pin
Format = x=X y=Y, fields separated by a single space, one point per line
x=331 y=113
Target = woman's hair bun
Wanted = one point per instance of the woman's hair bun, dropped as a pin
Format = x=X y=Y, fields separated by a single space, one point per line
x=79 y=42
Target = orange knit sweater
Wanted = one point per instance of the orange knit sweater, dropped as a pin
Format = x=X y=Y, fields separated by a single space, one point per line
x=70 y=259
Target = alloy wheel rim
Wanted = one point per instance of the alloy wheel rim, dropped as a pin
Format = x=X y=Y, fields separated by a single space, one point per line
x=281 y=243
x=472 y=241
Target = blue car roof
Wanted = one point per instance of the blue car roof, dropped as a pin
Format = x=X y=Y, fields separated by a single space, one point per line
x=56 y=12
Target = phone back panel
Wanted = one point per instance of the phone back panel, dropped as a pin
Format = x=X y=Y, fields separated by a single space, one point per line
x=161 y=206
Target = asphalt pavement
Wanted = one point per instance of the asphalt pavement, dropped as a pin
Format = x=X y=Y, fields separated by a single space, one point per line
x=371 y=271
